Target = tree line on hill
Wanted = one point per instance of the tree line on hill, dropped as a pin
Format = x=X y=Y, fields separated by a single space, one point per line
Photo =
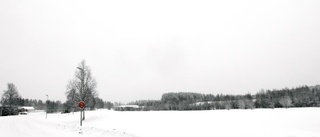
x=81 y=88
x=303 y=96
x=12 y=100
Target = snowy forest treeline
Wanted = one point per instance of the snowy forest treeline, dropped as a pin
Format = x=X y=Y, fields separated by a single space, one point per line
x=12 y=100
x=303 y=96
x=82 y=87
x=55 y=106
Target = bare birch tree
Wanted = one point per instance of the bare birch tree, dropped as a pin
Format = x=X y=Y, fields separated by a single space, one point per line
x=82 y=87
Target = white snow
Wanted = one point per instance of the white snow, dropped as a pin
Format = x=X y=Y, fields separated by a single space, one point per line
x=292 y=122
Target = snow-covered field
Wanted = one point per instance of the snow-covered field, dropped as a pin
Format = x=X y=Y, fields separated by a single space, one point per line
x=293 y=122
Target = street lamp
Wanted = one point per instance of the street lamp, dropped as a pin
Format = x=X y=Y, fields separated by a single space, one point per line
x=81 y=88
x=80 y=68
x=47 y=106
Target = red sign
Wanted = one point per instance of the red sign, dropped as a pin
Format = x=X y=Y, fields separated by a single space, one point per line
x=81 y=104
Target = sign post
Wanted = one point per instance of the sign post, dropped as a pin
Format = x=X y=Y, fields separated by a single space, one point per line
x=81 y=106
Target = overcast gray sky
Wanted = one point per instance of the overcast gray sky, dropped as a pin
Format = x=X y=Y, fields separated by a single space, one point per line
x=141 y=49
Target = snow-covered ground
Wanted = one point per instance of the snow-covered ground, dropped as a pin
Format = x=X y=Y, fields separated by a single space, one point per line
x=293 y=122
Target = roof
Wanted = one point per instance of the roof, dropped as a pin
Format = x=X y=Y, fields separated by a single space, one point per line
x=27 y=107
x=128 y=106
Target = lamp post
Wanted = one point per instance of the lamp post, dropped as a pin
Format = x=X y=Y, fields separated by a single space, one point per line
x=81 y=88
x=47 y=106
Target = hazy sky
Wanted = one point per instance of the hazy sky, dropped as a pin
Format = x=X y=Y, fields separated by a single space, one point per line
x=141 y=49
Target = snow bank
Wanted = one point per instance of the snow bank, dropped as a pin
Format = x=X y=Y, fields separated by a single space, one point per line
x=298 y=122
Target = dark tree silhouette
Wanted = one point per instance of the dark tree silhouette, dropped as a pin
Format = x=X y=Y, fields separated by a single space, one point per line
x=10 y=96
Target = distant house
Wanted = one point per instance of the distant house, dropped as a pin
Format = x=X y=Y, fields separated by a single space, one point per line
x=28 y=108
x=127 y=108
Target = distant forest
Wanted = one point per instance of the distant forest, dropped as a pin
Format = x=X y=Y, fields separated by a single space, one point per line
x=57 y=106
x=52 y=106
x=303 y=96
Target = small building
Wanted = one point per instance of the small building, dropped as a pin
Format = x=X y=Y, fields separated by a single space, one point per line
x=127 y=108
x=28 y=108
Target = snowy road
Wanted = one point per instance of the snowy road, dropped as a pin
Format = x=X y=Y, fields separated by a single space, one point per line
x=293 y=122
x=56 y=125
x=32 y=125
